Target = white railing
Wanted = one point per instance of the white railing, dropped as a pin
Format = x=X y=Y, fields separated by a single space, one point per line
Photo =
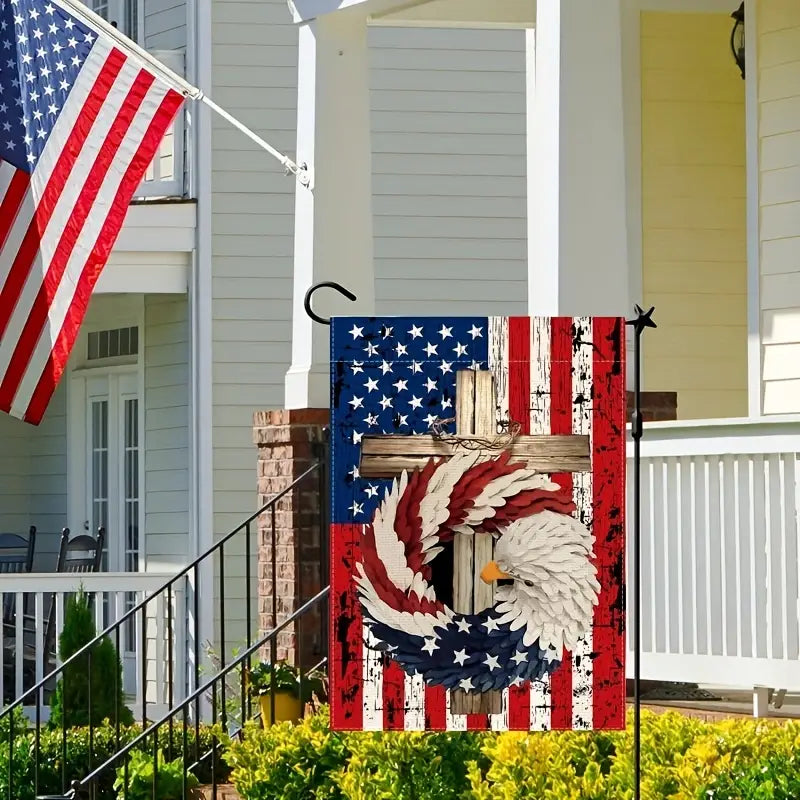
x=26 y=656
x=165 y=177
x=720 y=552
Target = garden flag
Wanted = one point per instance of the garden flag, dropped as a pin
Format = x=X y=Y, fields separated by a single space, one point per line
x=477 y=544
x=80 y=121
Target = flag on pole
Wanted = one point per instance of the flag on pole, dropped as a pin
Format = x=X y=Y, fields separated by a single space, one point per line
x=81 y=118
x=452 y=435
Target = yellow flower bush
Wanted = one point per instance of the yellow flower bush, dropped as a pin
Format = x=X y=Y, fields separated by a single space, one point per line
x=682 y=759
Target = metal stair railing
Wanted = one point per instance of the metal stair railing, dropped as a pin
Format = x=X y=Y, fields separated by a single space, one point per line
x=171 y=691
x=87 y=786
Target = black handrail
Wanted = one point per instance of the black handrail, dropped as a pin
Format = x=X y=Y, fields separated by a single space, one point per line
x=40 y=686
x=270 y=636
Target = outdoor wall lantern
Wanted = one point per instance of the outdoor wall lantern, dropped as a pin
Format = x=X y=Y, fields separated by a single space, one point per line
x=737 y=38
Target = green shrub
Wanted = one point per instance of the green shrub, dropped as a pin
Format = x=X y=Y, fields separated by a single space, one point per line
x=71 y=697
x=81 y=759
x=777 y=778
x=291 y=762
x=682 y=759
x=146 y=779
x=410 y=766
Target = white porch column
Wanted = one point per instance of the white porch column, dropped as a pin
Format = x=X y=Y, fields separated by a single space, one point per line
x=333 y=221
x=577 y=205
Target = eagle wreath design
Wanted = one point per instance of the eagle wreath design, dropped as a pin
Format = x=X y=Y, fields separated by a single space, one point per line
x=547 y=554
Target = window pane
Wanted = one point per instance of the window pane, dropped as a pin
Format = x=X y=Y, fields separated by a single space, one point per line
x=131 y=501
x=99 y=465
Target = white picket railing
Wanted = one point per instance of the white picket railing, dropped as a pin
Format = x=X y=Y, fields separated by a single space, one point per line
x=720 y=552
x=165 y=177
x=23 y=658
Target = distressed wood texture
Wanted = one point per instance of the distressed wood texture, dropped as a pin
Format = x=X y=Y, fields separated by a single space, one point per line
x=387 y=456
x=475 y=406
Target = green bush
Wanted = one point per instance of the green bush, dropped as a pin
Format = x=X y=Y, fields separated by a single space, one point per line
x=682 y=759
x=146 y=779
x=293 y=762
x=778 y=778
x=410 y=766
x=71 y=697
x=81 y=759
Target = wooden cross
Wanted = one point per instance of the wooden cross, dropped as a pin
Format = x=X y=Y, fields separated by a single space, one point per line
x=476 y=410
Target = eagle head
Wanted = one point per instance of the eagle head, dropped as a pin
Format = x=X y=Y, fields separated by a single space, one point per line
x=553 y=581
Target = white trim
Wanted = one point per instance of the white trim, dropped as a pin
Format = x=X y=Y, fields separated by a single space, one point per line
x=530 y=147
x=202 y=466
x=754 y=385
x=720 y=437
x=740 y=672
x=389 y=22
x=310 y=10
x=78 y=492
x=724 y=422
x=137 y=279
x=140 y=21
x=632 y=111
x=140 y=388
x=687 y=6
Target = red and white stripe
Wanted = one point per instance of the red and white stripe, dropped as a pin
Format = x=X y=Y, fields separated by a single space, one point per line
x=58 y=225
x=553 y=376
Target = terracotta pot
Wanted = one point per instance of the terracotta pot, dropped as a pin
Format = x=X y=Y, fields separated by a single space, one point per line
x=287 y=708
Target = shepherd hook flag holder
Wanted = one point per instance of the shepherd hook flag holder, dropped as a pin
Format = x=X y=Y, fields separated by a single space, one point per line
x=408 y=459
x=643 y=320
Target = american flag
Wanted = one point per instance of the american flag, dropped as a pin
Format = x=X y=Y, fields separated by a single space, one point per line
x=553 y=376
x=80 y=121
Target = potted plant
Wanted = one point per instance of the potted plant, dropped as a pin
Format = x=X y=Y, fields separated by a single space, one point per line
x=292 y=690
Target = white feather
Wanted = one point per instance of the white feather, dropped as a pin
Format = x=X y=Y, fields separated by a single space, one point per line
x=391 y=549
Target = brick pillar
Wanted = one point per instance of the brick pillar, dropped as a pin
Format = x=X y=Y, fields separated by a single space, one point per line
x=656 y=406
x=288 y=444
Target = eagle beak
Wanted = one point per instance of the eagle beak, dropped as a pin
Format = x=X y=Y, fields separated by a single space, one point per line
x=491 y=572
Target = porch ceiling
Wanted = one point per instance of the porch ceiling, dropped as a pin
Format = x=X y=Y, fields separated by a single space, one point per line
x=459 y=13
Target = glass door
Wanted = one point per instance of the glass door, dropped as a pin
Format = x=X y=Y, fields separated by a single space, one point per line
x=112 y=481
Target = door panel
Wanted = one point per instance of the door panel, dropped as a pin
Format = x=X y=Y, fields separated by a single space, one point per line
x=105 y=457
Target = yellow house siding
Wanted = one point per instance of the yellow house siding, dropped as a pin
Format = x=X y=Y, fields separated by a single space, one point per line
x=778 y=27
x=694 y=213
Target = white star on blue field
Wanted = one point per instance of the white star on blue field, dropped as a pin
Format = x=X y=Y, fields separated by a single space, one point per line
x=395 y=375
x=42 y=50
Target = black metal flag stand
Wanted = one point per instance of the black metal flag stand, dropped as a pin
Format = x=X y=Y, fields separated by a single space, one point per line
x=643 y=320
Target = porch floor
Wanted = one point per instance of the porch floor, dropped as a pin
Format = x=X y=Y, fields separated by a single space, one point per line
x=732 y=703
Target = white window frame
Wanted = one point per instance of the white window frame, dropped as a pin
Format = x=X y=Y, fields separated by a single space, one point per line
x=116 y=13
x=128 y=312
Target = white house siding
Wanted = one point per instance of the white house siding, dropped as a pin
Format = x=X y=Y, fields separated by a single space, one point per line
x=448 y=142
x=166 y=398
x=254 y=73
x=778 y=27
x=164 y=24
x=14 y=469
x=47 y=479
x=33 y=468
x=452 y=242
x=32 y=478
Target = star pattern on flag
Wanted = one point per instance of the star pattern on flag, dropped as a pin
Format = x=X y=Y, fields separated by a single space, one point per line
x=467 y=658
x=397 y=378
x=41 y=54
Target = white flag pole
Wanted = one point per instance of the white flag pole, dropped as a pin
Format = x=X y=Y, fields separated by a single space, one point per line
x=298 y=171
x=178 y=83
